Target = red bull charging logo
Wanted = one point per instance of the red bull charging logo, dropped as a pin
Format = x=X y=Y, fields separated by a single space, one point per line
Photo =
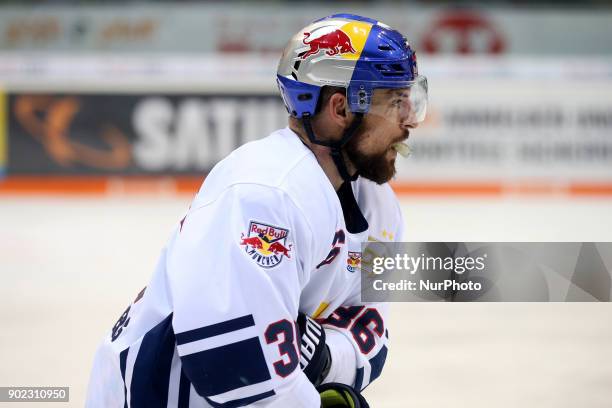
x=353 y=261
x=266 y=244
x=333 y=43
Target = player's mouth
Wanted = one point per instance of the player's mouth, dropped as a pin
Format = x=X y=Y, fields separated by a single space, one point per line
x=399 y=146
x=402 y=138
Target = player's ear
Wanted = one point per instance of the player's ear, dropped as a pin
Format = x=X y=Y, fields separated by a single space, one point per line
x=337 y=109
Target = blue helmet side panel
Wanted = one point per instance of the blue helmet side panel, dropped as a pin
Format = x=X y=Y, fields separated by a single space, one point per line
x=299 y=97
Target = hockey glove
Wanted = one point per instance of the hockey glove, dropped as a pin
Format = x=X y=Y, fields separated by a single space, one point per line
x=336 y=395
x=315 y=359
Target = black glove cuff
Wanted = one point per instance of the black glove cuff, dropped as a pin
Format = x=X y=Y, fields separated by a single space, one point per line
x=315 y=358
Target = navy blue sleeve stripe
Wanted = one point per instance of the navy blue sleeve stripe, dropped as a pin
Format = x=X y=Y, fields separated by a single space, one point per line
x=216 y=329
x=184 y=391
x=151 y=375
x=241 y=402
x=377 y=363
x=226 y=368
x=359 y=379
x=122 y=363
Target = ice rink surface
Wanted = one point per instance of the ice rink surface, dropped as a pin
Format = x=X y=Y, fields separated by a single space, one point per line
x=70 y=266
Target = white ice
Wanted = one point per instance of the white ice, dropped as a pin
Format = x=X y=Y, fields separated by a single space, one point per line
x=70 y=266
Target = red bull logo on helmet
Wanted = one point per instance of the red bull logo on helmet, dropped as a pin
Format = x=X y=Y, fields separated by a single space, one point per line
x=266 y=244
x=345 y=40
x=336 y=42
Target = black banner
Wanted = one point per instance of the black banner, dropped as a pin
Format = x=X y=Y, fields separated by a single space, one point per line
x=133 y=134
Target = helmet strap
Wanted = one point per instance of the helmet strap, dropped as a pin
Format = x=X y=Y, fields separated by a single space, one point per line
x=353 y=217
x=335 y=147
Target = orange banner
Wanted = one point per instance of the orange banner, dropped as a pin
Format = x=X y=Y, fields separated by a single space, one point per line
x=99 y=185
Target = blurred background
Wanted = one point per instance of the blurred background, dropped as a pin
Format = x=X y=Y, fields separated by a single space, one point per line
x=111 y=114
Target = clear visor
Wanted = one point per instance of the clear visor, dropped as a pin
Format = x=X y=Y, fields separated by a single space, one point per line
x=402 y=103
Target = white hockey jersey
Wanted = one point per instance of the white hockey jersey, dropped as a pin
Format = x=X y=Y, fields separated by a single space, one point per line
x=264 y=238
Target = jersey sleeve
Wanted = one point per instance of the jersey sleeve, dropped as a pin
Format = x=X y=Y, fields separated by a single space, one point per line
x=357 y=338
x=356 y=332
x=235 y=272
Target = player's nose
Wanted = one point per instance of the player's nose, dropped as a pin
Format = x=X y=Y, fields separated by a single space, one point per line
x=408 y=124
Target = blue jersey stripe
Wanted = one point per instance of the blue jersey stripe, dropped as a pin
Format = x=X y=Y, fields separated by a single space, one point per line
x=151 y=375
x=242 y=401
x=122 y=363
x=216 y=329
x=184 y=389
x=359 y=379
x=377 y=363
x=221 y=369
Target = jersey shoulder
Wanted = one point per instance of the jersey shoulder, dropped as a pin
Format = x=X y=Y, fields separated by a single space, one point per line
x=271 y=172
x=278 y=160
x=265 y=161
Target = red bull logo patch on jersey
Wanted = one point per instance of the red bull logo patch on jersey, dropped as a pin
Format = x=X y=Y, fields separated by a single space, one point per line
x=353 y=262
x=266 y=244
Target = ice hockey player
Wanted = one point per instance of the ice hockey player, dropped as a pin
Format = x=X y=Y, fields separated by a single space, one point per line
x=255 y=300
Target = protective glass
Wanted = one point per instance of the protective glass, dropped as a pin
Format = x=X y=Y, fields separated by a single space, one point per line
x=403 y=103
